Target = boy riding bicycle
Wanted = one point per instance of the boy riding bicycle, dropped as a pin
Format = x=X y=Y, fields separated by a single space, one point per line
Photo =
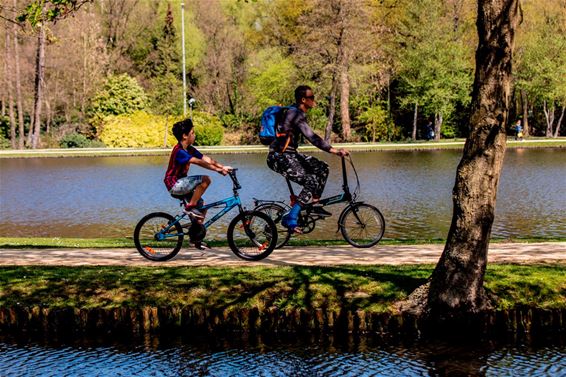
x=307 y=171
x=182 y=156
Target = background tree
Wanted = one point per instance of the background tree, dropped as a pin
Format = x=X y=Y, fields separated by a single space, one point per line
x=435 y=64
x=541 y=64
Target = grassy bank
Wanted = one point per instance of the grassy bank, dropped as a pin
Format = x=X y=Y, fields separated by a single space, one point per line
x=367 y=288
x=400 y=146
x=107 y=243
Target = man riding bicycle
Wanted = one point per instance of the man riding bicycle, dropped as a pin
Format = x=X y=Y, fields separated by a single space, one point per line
x=305 y=170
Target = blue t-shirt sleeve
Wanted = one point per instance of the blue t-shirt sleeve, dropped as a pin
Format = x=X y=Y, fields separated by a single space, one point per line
x=184 y=156
x=195 y=153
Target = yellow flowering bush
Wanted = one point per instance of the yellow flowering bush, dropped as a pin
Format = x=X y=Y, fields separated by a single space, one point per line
x=144 y=130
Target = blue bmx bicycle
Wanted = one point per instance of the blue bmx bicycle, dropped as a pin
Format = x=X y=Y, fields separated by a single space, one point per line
x=362 y=225
x=251 y=235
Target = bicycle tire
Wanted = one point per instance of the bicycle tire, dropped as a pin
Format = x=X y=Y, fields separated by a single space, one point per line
x=275 y=212
x=252 y=235
x=361 y=225
x=146 y=237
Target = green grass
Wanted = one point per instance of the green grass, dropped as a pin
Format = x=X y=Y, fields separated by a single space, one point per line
x=370 y=288
x=87 y=243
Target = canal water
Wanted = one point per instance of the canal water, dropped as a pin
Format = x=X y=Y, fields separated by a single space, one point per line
x=106 y=196
x=220 y=357
x=176 y=356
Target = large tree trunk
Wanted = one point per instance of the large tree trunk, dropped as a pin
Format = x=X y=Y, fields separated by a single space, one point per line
x=10 y=90
x=456 y=284
x=549 y=116
x=345 y=101
x=557 y=129
x=415 y=114
x=331 y=112
x=19 y=100
x=38 y=99
x=525 y=107
x=438 y=119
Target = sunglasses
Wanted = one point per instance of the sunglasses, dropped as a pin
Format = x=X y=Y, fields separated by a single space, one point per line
x=310 y=97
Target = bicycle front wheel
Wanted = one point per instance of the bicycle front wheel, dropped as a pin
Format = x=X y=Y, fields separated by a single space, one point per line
x=158 y=237
x=252 y=235
x=275 y=212
x=362 y=225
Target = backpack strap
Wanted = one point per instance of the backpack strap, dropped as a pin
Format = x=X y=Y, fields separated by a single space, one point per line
x=288 y=133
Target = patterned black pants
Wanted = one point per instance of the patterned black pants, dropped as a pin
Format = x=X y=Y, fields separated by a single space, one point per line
x=307 y=171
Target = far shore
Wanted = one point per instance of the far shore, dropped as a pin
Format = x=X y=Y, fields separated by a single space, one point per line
x=233 y=149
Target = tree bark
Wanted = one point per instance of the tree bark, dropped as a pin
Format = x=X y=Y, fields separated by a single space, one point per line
x=549 y=116
x=345 y=101
x=10 y=90
x=38 y=99
x=19 y=100
x=456 y=284
x=331 y=112
x=438 y=119
x=415 y=114
x=557 y=129
x=525 y=107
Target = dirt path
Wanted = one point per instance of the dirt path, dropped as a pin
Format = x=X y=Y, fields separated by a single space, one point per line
x=542 y=252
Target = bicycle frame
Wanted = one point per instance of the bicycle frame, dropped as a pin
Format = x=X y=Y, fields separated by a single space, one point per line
x=345 y=196
x=228 y=203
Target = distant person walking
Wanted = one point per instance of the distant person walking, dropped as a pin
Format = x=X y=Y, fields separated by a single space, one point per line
x=429 y=131
x=518 y=130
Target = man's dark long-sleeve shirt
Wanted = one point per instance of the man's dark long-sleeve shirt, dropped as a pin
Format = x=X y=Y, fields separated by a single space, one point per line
x=295 y=124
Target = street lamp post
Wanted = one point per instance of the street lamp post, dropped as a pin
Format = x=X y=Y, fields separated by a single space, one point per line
x=184 y=73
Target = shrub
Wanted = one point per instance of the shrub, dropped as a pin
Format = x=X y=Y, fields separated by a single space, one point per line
x=143 y=130
x=119 y=95
x=378 y=125
x=208 y=129
x=448 y=131
x=76 y=140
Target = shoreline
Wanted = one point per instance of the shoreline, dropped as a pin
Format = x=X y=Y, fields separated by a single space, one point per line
x=238 y=149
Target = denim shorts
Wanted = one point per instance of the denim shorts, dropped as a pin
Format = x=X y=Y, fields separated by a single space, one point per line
x=186 y=185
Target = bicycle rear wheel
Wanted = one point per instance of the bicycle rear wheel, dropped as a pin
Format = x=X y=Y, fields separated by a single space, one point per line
x=275 y=212
x=158 y=237
x=252 y=235
x=362 y=225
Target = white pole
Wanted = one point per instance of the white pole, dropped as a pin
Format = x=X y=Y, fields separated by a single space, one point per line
x=184 y=73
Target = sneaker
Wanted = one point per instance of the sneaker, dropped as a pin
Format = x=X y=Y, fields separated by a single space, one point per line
x=194 y=213
x=320 y=211
x=201 y=245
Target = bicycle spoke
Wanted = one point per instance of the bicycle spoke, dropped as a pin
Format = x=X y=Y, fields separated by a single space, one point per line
x=362 y=225
x=158 y=237
x=252 y=236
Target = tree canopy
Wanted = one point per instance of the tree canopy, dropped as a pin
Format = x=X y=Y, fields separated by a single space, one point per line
x=413 y=60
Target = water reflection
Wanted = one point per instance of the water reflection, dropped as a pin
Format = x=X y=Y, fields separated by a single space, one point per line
x=268 y=357
x=106 y=196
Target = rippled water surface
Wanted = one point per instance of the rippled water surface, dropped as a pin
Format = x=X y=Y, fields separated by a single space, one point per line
x=222 y=358
x=106 y=196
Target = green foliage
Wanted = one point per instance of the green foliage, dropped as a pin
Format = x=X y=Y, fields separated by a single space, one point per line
x=378 y=125
x=436 y=69
x=208 y=129
x=272 y=79
x=39 y=11
x=76 y=140
x=143 y=130
x=120 y=94
x=541 y=55
x=448 y=130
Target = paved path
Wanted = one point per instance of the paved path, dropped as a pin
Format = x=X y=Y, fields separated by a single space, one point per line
x=540 y=252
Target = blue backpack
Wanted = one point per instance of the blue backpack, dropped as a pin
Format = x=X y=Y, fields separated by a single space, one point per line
x=270 y=119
